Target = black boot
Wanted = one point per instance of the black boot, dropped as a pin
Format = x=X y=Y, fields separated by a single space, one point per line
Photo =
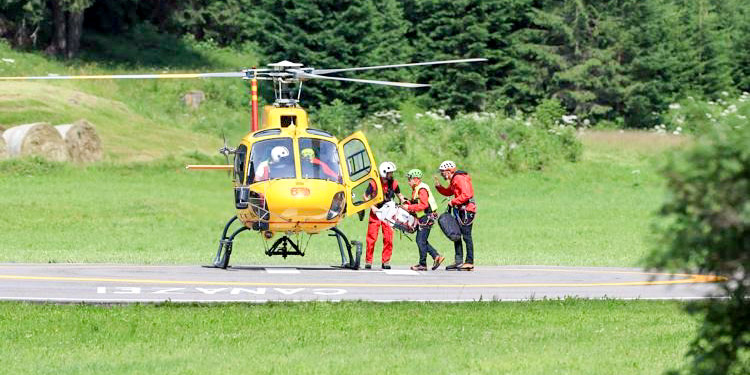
x=453 y=267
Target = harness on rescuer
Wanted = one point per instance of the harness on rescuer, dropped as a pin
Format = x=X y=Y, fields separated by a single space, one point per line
x=461 y=212
x=432 y=204
x=389 y=192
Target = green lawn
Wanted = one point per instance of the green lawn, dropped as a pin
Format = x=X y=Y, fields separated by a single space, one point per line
x=594 y=212
x=542 y=337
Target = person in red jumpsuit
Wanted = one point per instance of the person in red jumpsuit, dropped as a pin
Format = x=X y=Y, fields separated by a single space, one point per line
x=463 y=208
x=390 y=190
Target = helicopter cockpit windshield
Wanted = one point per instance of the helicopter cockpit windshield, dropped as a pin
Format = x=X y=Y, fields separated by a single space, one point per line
x=319 y=160
x=271 y=159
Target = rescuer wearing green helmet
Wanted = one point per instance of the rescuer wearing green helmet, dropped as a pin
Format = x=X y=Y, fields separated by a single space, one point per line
x=312 y=166
x=423 y=205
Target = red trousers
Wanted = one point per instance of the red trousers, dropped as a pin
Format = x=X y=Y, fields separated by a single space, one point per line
x=373 y=228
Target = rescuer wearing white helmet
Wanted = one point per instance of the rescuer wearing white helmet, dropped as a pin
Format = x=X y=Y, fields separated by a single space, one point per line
x=463 y=209
x=279 y=154
x=390 y=190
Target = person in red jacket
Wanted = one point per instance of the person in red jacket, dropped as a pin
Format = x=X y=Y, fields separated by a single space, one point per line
x=463 y=208
x=390 y=190
x=424 y=207
x=312 y=167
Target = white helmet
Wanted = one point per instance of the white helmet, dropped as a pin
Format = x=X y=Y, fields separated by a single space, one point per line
x=447 y=165
x=279 y=152
x=386 y=167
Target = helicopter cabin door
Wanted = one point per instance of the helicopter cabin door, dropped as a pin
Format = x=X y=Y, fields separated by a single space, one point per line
x=363 y=188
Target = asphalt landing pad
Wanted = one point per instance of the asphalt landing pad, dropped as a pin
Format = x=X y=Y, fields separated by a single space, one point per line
x=113 y=283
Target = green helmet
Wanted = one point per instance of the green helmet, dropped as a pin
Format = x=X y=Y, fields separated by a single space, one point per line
x=414 y=173
x=308 y=153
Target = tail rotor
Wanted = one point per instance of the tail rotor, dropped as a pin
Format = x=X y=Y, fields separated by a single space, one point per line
x=226 y=151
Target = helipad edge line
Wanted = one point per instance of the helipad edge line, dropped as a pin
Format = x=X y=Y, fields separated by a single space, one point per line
x=694 y=279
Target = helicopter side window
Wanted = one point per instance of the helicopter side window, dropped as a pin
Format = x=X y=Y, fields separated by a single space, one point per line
x=357 y=159
x=239 y=163
x=319 y=160
x=271 y=159
x=364 y=192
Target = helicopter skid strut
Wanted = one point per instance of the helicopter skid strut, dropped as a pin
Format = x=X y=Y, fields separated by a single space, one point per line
x=225 y=245
x=282 y=245
x=349 y=262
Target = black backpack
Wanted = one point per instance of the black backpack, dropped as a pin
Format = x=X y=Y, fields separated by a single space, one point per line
x=449 y=226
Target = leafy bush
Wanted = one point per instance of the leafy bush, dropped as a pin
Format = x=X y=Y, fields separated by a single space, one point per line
x=478 y=142
x=705 y=226
x=548 y=112
x=698 y=116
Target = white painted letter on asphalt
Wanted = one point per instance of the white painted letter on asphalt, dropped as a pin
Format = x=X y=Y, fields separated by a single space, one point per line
x=257 y=291
x=127 y=290
x=329 y=292
x=288 y=292
x=210 y=290
x=168 y=290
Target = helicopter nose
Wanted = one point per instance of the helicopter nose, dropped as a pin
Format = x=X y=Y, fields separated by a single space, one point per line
x=302 y=200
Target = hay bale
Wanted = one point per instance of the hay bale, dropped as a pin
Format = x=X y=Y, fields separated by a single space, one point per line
x=3 y=148
x=81 y=141
x=35 y=139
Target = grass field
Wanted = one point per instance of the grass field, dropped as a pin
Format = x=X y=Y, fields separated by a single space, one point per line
x=594 y=212
x=543 y=337
x=141 y=206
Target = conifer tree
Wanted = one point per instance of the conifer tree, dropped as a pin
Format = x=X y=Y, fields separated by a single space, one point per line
x=739 y=16
x=570 y=57
x=700 y=47
x=643 y=51
x=333 y=34
x=445 y=30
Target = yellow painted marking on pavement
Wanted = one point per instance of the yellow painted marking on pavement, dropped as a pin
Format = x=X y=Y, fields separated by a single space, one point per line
x=597 y=271
x=693 y=279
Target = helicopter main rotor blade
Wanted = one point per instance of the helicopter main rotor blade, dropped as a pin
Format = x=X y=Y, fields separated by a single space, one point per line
x=328 y=71
x=210 y=167
x=301 y=74
x=133 y=76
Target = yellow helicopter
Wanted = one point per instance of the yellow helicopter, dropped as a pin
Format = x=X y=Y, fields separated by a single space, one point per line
x=288 y=176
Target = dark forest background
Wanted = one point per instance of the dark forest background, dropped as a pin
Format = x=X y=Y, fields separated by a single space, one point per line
x=617 y=62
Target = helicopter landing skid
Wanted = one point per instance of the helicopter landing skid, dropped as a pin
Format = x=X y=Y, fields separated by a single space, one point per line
x=349 y=262
x=281 y=247
x=225 y=245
